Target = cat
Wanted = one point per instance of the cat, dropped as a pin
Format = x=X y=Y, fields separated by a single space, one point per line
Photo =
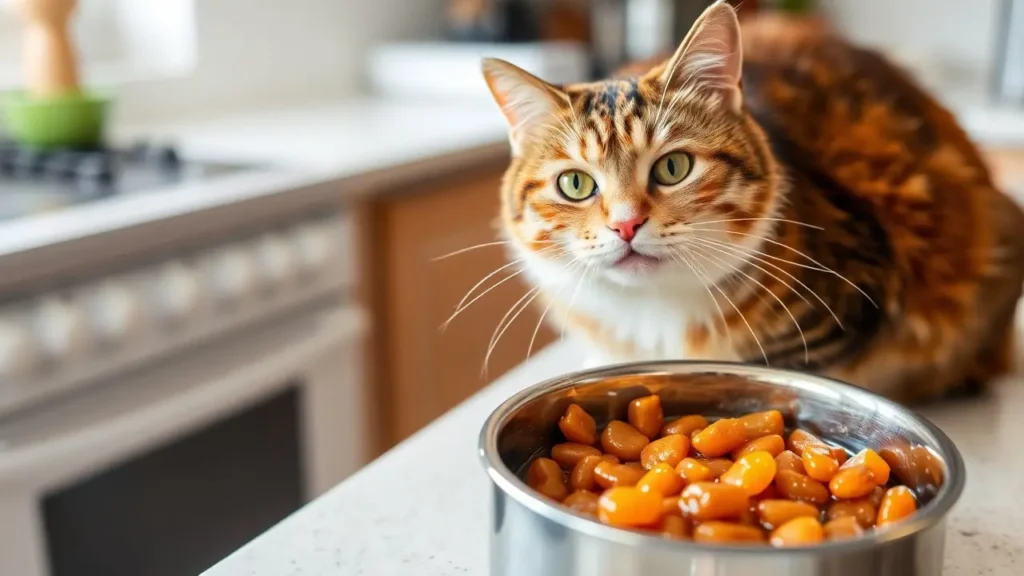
x=768 y=194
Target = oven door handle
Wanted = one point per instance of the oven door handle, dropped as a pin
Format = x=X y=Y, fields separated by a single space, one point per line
x=112 y=433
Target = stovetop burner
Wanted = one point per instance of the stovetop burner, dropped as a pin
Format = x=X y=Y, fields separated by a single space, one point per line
x=34 y=180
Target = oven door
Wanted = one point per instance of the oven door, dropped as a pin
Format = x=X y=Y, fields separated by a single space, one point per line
x=167 y=470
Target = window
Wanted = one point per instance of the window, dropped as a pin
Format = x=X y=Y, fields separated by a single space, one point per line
x=117 y=41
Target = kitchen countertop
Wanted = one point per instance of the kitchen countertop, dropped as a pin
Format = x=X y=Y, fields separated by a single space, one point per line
x=424 y=507
x=360 y=144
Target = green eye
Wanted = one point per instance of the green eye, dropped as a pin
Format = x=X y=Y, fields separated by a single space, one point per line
x=576 y=185
x=672 y=168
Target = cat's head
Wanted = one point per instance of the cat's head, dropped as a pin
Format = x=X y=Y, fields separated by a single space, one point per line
x=628 y=177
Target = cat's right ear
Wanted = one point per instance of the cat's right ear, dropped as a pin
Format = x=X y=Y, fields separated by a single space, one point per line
x=530 y=105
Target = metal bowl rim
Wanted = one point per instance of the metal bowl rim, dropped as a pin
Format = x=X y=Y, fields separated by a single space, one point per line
x=933 y=513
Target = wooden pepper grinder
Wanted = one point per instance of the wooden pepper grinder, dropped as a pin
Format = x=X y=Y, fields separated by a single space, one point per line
x=50 y=64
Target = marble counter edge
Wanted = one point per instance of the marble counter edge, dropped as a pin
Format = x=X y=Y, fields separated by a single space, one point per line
x=37 y=246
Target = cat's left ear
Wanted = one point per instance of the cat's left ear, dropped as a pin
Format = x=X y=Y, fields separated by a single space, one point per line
x=530 y=105
x=710 y=58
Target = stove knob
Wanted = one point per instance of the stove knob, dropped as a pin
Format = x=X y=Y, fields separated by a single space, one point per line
x=29 y=162
x=115 y=312
x=232 y=274
x=314 y=244
x=96 y=167
x=61 y=329
x=167 y=158
x=178 y=291
x=275 y=259
x=63 y=164
x=16 y=355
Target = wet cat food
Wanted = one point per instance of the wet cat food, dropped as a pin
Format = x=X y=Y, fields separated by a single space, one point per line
x=740 y=481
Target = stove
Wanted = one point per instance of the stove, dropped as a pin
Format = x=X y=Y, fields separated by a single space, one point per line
x=34 y=180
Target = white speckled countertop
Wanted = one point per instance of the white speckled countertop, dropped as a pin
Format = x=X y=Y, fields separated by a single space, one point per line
x=424 y=507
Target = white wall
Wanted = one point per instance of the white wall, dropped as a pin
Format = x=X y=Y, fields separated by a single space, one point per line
x=259 y=53
x=958 y=36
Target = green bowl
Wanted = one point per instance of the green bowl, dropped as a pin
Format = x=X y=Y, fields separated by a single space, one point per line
x=75 y=120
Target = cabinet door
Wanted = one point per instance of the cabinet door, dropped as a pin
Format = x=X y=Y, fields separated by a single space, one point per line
x=430 y=370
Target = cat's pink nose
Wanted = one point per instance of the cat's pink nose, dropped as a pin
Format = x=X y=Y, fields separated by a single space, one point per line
x=627 y=228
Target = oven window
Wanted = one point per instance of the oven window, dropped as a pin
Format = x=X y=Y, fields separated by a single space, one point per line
x=179 y=510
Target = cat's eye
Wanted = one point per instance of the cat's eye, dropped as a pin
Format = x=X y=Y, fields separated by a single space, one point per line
x=672 y=168
x=576 y=185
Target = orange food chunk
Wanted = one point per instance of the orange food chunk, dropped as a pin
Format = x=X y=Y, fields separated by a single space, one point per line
x=753 y=473
x=863 y=510
x=800 y=439
x=623 y=440
x=568 y=454
x=819 y=463
x=726 y=533
x=578 y=426
x=708 y=501
x=761 y=424
x=670 y=505
x=876 y=496
x=674 y=526
x=685 y=425
x=582 y=475
x=789 y=460
x=842 y=528
x=769 y=493
x=609 y=475
x=874 y=462
x=671 y=450
x=693 y=470
x=772 y=444
x=720 y=438
x=545 y=476
x=645 y=415
x=583 y=502
x=662 y=480
x=852 y=482
x=629 y=507
x=718 y=466
x=801 y=487
x=898 y=503
x=775 y=513
x=803 y=531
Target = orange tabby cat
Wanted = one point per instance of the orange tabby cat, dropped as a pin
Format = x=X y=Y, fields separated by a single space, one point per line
x=769 y=194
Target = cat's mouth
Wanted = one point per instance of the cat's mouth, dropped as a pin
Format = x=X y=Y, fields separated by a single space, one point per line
x=636 y=262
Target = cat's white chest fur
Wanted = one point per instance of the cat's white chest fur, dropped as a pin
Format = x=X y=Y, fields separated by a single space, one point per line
x=649 y=322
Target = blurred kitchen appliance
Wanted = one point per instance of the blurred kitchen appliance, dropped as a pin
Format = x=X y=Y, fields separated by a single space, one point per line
x=625 y=31
x=492 y=21
x=1009 y=69
x=169 y=390
x=35 y=180
x=452 y=69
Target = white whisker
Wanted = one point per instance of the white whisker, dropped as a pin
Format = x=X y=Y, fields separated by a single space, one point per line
x=496 y=336
x=798 y=223
x=726 y=266
x=460 y=308
x=679 y=257
x=742 y=317
x=812 y=260
x=738 y=251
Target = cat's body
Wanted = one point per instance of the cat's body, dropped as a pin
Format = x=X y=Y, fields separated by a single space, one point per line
x=832 y=216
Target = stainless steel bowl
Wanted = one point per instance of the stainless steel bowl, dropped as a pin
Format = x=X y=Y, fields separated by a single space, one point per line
x=533 y=537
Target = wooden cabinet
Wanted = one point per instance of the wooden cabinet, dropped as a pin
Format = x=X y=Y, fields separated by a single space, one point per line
x=422 y=371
